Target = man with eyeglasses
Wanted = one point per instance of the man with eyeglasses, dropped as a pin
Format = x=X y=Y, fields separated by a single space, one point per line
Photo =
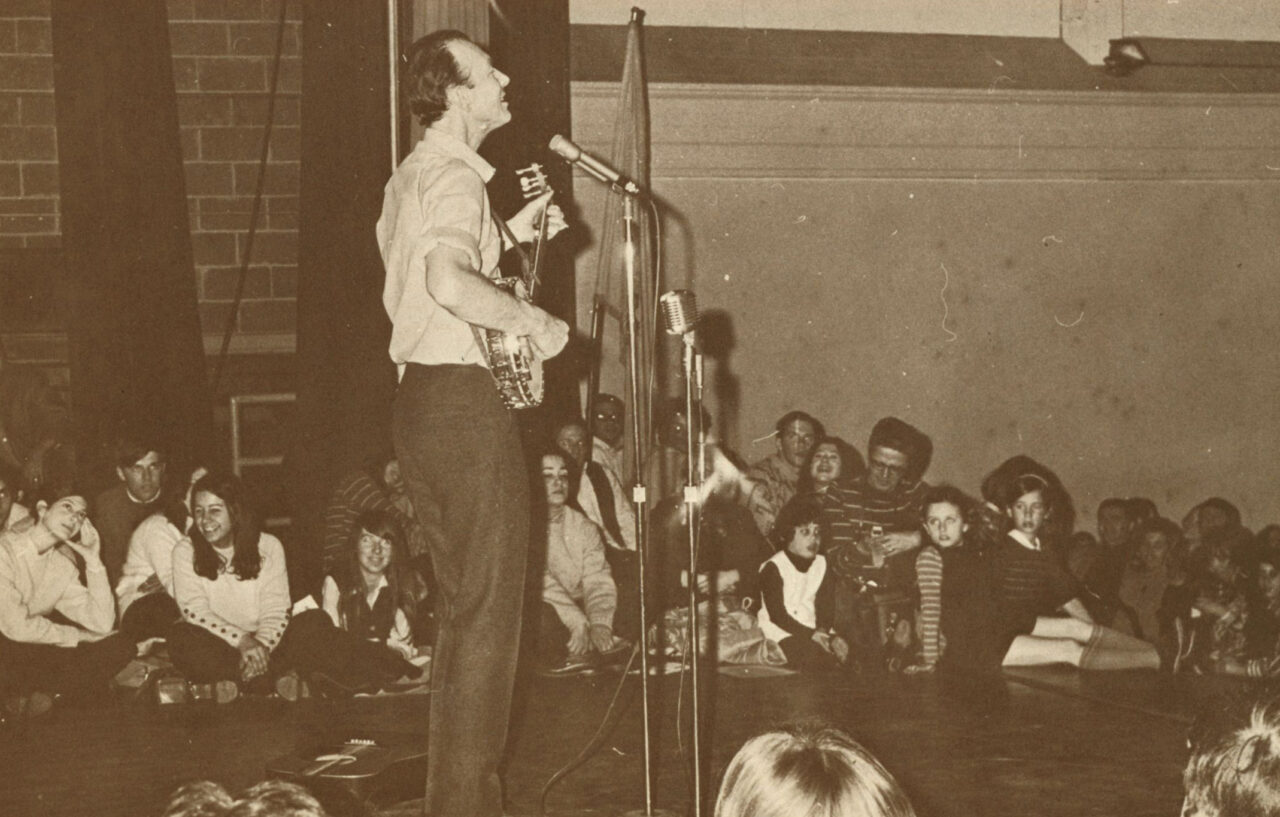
x=118 y=511
x=874 y=522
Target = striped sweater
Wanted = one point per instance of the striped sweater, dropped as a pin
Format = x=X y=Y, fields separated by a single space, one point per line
x=929 y=582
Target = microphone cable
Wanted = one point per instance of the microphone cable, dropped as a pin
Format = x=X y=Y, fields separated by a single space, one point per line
x=593 y=744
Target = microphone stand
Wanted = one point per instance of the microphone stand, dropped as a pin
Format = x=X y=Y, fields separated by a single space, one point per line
x=638 y=493
x=694 y=465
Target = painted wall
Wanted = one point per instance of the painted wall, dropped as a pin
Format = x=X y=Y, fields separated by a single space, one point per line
x=1086 y=278
x=1011 y=18
x=1193 y=19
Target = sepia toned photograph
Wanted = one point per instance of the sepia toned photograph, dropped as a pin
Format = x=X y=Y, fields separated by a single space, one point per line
x=562 y=408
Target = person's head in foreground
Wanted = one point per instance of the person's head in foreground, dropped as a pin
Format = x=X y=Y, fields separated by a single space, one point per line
x=270 y=798
x=1234 y=770
x=808 y=769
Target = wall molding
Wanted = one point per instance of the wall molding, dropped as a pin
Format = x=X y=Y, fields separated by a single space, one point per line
x=775 y=132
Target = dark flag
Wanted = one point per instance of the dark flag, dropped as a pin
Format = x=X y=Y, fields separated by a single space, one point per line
x=630 y=156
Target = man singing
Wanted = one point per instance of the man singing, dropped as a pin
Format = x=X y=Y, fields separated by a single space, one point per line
x=457 y=443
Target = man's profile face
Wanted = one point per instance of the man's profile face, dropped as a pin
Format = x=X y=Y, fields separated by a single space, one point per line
x=483 y=99
x=885 y=468
x=1113 y=526
x=144 y=477
x=796 y=441
x=609 y=414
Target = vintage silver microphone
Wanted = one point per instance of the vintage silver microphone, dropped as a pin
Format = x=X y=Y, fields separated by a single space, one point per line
x=573 y=154
x=679 y=311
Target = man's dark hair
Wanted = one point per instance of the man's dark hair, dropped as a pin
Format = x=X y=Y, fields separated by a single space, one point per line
x=1114 y=502
x=798 y=512
x=1226 y=508
x=949 y=494
x=430 y=72
x=127 y=450
x=791 y=416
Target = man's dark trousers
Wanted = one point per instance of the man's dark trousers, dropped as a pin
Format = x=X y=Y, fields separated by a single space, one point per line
x=459 y=452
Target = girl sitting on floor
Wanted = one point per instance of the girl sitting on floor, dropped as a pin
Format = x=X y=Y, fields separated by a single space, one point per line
x=361 y=640
x=796 y=591
x=230 y=583
x=1033 y=588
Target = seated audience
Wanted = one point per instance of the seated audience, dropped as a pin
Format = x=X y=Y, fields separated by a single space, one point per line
x=1234 y=768
x=117 y=511
x=608 y=429
x=1262 y=628
x=1083 y=551
x=1056 y=529
x=831 y=461
x=795 y=591
x=1211 y=609
x=14 y=516
x=1148 y=576
x=579 y=597
x=144 y=594
x=1032 y=588
x=361 y=639
x=1141 y=509
x=1211 y=514
x=810 y=769
x=270 y=798
x=944 y=522
x=600 y=495
x=775 y=477
x=874 y=528
x=730 y=546
x=230 y=582
x=1115 y=532
x=377 y=487
x=56 y=632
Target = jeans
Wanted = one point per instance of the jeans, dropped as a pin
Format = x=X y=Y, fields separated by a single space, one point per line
x=460 y=455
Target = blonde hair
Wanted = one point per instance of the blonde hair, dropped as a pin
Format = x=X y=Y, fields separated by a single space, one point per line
x=808 y=769
x=1235 y=772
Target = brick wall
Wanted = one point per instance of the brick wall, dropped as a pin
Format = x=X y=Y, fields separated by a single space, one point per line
x=222 y=57
x=28 y=142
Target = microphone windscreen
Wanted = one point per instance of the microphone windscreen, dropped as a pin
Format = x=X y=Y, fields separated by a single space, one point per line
x=563 y=147
x=679 y=311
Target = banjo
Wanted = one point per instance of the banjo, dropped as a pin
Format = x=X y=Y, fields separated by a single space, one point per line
x=516 y=371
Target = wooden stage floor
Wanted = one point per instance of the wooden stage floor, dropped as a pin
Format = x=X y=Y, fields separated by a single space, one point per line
x=1045 y=742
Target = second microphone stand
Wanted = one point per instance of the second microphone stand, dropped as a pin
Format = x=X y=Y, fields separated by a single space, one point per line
x=695 y=467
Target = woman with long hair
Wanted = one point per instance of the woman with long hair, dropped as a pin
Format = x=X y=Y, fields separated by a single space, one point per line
x=361 y=639
x=230 y=583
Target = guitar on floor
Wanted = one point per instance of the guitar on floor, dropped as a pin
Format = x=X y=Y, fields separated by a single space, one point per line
x=516 y=370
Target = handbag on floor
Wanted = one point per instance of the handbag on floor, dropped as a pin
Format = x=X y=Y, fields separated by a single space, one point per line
x=739 y=639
